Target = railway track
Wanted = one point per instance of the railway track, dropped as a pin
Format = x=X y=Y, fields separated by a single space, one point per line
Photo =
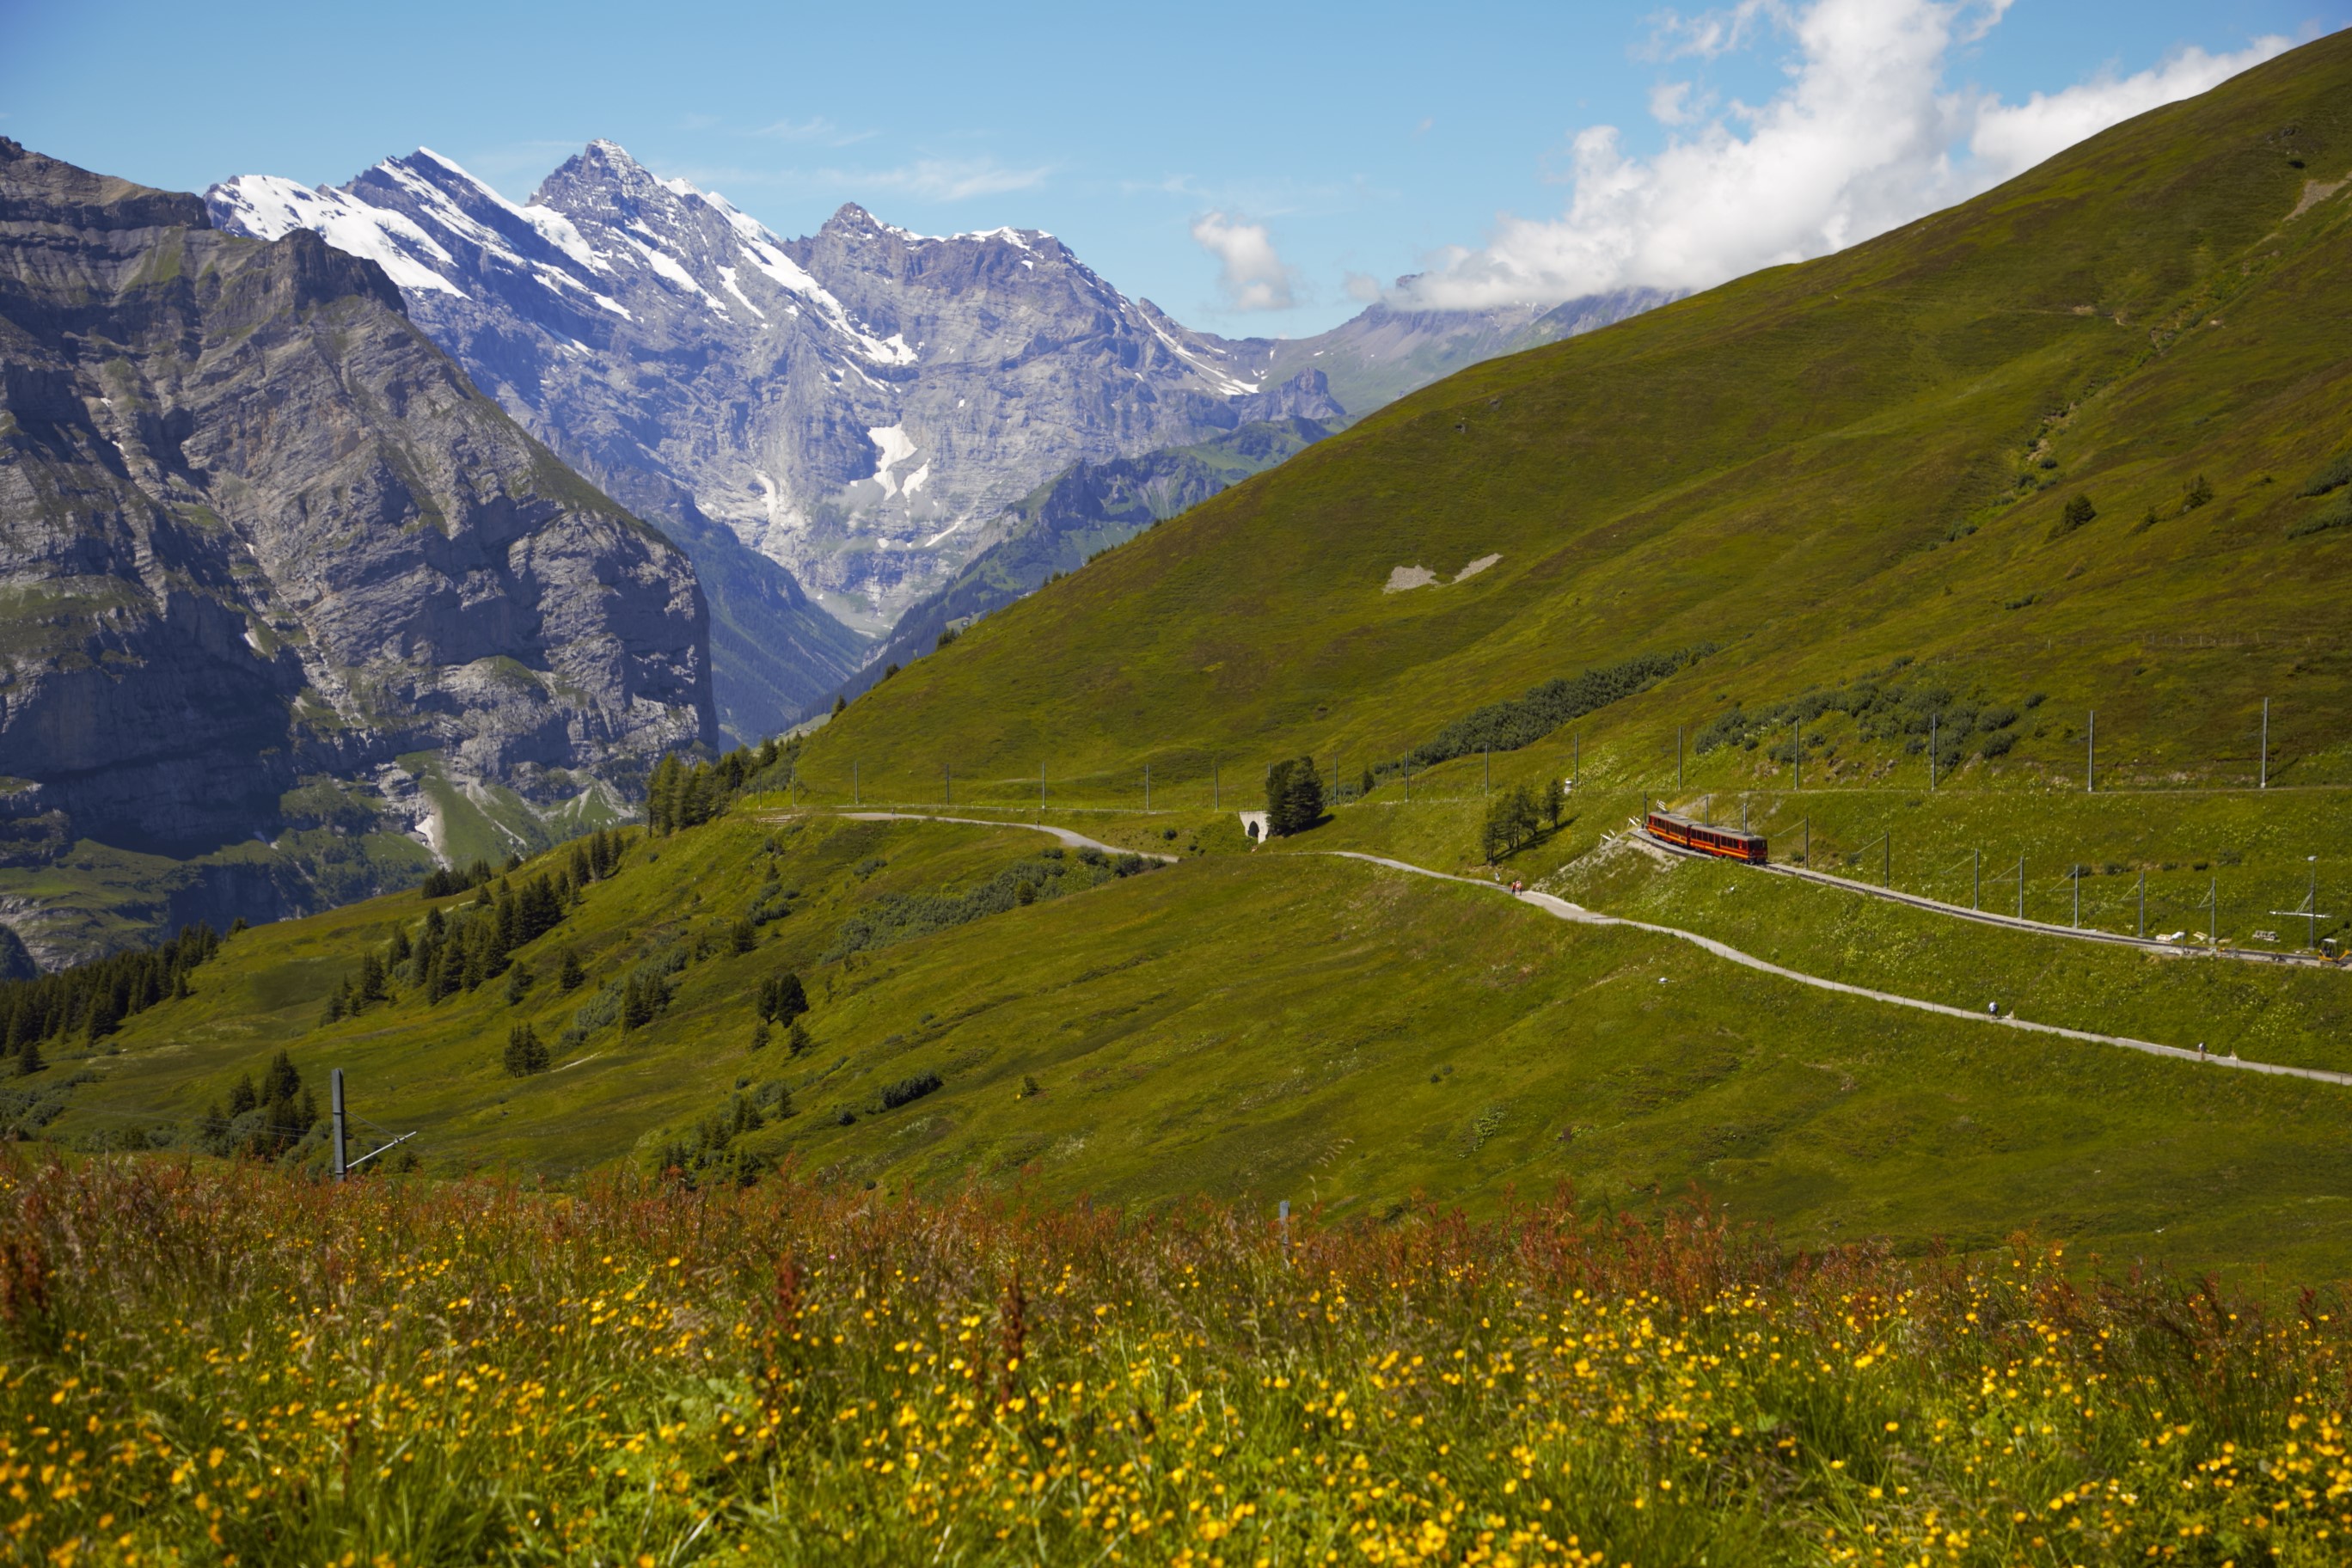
x=1987 y=917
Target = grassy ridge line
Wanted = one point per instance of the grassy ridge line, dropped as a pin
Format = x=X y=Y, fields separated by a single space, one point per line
x=1819 y=466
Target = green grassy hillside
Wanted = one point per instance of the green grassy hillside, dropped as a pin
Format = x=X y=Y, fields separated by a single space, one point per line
x=1274 y=1024
x=1818 y=470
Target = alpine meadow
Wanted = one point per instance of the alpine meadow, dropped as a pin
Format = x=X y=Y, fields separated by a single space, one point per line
x=1716 y=930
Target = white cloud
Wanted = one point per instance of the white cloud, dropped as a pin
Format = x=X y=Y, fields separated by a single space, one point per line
x=1252 y=277
x=948 y=179
x=816 y=129
x=1865 y=137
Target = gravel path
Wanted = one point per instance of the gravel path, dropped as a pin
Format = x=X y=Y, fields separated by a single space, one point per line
x=1561 y=909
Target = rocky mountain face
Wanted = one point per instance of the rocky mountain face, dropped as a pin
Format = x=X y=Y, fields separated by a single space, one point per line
x=853 y=406
x=258 y=533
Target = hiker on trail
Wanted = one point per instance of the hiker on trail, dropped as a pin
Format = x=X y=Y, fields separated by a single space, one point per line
x=2200 y=1050
x=1993 y=1008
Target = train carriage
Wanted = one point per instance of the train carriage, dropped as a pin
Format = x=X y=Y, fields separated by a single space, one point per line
x=1748 y=848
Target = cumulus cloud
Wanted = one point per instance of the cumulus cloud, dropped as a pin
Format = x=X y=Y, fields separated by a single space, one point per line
x=1250 y=274
x=1865 y=137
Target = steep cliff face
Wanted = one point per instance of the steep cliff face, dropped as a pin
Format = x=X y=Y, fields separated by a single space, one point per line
x=254 y=527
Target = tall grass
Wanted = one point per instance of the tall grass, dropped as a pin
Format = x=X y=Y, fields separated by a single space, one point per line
x=216 y=1364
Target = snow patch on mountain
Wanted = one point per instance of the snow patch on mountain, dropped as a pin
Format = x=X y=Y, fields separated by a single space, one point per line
x=268 y=207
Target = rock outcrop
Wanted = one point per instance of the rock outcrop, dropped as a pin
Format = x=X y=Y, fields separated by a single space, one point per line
x=256 y=527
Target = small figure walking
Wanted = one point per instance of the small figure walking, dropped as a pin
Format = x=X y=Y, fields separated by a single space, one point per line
x=2200 y=1050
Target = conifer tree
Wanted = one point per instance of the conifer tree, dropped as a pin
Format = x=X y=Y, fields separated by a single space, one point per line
x=371 y=983
x=568 y=973
x=28 y=1056
x=337 y=1001
x=526 y=1053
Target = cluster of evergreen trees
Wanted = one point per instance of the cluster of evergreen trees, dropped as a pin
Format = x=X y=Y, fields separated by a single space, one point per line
x=709 y=1155
x=93 y=999
x=262 y=1121
x=458 y=951
x=440 y=883
x=686 y=795
x=1293 y=796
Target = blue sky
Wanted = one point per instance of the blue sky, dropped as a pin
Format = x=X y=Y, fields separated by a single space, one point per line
x=1253 y=168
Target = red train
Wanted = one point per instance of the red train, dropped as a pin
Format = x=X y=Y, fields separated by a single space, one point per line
x=1673 y=829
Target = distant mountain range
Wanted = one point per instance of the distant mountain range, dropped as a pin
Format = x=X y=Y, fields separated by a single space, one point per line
x=859 y=407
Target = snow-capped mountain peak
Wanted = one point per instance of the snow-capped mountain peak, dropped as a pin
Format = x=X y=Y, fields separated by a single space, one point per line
x=847 y=403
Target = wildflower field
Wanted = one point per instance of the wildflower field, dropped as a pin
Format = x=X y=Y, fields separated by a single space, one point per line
x=210 y=1363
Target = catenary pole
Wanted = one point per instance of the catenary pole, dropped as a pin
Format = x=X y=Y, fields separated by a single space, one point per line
x=1931 y=753
x=1976 y=879
x=335 y=1095
x=2267 y=744
x=2020 y=887
x=2091 y=753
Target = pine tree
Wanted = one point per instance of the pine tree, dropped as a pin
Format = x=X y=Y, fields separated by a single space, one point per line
x=568 y=973
x=337 y=1000
x=760 y=1034
x=796 y=1040
x=743 y=936
x=401 y=948
x=662 y=792
x=581 y=870
x=526 y=1053
x=28 y=1056
x=1304 y=795
x=370 y=985
x=241 y=1095
x=280 y=1079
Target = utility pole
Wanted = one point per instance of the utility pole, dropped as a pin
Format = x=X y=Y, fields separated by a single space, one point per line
x=1041 y=792
x=2143 y=902
x=335 y=1099
x=853 y=799
x=1809 y=843
x=2266 y=744
x=1797 y=754
x=1931 y=753
x=2074 y=875
x=947 y=775
x=2313 y=902
x=1408 y=780
x=2091 y=753
x=1976 y=879
x=2213 y=919
x=1886 y=865
x=2020 y=887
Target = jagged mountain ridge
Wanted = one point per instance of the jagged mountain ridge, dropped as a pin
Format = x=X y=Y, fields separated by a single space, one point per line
x=860 y=406
x=851 y=404
x=259 y=530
